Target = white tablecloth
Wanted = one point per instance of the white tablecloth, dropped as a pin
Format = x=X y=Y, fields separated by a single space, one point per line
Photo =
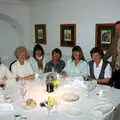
x=94 y=106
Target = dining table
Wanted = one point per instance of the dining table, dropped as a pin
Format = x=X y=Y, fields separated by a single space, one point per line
x=73 y=99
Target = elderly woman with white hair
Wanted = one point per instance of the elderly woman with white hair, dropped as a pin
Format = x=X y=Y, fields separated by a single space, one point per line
x=21 y=68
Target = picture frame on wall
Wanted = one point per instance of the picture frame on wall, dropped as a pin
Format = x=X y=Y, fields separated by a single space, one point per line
x=67 y=35
x=40 y=33
x=104 y=34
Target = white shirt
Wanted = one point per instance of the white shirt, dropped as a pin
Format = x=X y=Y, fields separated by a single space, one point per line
x=97 y=70
x=4 y=71
x=79 y=69
x=34 y=65
x=22 y=70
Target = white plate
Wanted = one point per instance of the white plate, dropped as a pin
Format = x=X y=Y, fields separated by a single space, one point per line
x=30 y=106
x=74 y=113
x=104 y=108
x=70 y=97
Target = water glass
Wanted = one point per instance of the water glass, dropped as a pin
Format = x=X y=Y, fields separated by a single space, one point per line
x=23 y=92
x=22 y=88
x=89 y=87
x=22 y=83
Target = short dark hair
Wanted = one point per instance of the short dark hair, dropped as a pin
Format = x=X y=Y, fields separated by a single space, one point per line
x=57 y=50
x=38 y=47
x=78 y=49
x=97 y=50
x=116 y=23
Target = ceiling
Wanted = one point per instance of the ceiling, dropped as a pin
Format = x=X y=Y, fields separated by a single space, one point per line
x=21 y=1
x=16 y=0
x=25 y=2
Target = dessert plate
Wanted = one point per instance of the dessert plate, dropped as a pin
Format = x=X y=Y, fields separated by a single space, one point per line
x=29 y=104
x=70 y=97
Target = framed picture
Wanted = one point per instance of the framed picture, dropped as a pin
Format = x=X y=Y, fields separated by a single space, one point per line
x=67 y=35
x=40 y=33
x=104 y=35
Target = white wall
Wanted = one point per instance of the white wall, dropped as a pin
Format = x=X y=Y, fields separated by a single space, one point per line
x=85 y=13
x=15 y=28
x=8 y=40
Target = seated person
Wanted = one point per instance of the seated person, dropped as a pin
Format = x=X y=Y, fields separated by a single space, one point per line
x=77 y=64
x=36 y=61
x=56 y=64
x=4 y=72
x=12 y=64
x=99 y=70
x=21 y=68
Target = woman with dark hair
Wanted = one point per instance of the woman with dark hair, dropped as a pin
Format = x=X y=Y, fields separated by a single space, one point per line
x=56 y=64
x=77 y=64
x=36 y=61
x=99 y=70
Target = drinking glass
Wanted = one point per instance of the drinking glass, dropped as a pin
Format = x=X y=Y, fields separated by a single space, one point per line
x=49 y=109
x=99 y=91
x=51 y=105
x=22 y=88
x=2 y=84
x=23 y=92
x=55 y=110
x=53 y=70
x=2 y=87
x=89 y=87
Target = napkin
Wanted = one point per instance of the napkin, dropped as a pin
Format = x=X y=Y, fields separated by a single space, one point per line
x=78 y=83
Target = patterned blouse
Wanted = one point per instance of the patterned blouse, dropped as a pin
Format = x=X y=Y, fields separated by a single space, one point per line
x=58 y=67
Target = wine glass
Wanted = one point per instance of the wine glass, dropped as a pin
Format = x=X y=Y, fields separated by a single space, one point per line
x=50 y=105
x=89 y=87
x=53 y=108
x=99 y=91
x=49 y=109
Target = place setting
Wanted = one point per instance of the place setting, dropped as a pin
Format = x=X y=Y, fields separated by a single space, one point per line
x=6 y=101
